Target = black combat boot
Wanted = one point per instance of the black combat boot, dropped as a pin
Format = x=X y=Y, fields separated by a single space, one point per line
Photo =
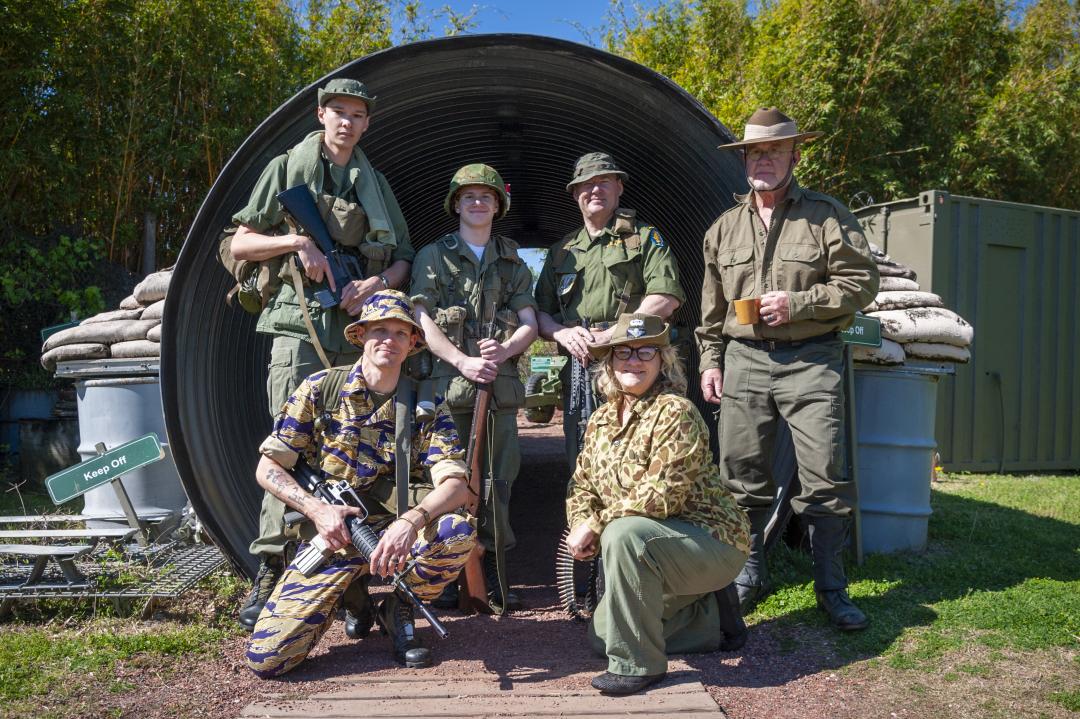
x=827 y=537
x=270 y=571
x=359 y=616
x=449 y=597
x=752 y=584
x=731 y=621
x=396 y=620
x=491 y=578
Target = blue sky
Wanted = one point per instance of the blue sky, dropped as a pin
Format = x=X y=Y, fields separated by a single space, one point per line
x=556 y=18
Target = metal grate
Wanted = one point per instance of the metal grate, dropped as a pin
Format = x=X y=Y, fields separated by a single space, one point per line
x=158 y=571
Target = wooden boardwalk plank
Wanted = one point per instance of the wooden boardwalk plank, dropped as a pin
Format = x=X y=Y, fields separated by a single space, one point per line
x=680 y=694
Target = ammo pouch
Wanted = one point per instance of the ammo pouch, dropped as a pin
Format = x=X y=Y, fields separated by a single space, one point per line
x=507 y=393
x=451 y=320
x=376 y=258
x=256 y=282
x=346 y=221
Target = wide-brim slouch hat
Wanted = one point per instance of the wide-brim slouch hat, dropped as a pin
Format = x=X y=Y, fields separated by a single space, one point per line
x=768 y=124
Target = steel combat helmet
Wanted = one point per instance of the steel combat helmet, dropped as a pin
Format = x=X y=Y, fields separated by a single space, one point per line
x=478 y=174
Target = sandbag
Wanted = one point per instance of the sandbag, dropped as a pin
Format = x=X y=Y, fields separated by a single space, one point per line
x=925 y=324
x=129 y=303
x=106 y=333
x=888 y=353
x=153 y=287
x=897 y=271
x=154 y=311
x=67 y=353
x=898 y=284
x=114 y=315
x=937 y=351
x=899 y=300
x=136 y=348
x=154 y=335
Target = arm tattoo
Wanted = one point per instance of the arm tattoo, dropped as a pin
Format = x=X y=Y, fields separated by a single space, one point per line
x=286 y=489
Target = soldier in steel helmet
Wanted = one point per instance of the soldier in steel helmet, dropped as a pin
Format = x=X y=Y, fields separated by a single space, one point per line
x=461 y=284
x=613 y=264
x=364 y=220
x=348 y=436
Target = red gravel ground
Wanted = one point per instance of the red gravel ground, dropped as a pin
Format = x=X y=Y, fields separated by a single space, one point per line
x=539 y=643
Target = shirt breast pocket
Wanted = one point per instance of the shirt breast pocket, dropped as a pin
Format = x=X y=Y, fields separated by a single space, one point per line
x=737 y=271
x=801 y=265
x=626 y=276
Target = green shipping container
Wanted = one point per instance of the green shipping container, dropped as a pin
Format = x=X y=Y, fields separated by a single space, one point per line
x=1012 y=271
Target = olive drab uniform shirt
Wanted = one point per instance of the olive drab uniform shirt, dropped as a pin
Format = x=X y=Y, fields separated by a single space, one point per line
x=814 y=250
x=361 y=214
x=457 y=290
x=603 y=276
x=658 y=465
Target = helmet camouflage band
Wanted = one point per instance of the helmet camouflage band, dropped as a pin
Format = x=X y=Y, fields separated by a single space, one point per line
x=384 y=305
x=478 y=174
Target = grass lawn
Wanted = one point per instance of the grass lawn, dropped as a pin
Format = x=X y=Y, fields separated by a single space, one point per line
x=985 y=623
x=998 y=587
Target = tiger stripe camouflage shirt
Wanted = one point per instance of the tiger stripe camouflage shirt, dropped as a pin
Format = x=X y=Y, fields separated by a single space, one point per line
x=658 y=465
x=357 y=444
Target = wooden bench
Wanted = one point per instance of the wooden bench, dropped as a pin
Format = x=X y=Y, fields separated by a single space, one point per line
x=119 y=534
x=65 y=556
x=43 y=519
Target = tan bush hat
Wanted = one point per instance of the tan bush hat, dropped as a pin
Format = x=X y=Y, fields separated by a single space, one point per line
x=635 y=327
x=769 y=125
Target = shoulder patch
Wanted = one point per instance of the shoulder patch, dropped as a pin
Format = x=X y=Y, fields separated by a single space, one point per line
x=653 y=237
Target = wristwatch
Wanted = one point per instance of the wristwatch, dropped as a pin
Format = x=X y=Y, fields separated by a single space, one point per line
x=385 y=282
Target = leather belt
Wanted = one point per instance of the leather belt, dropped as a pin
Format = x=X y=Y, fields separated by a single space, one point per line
x=773 y=345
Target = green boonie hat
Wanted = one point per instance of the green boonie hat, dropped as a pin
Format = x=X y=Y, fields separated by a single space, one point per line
x=347 y=87
x=593 y=165
x=384 y=305
x=478 y=174
x=635 y=328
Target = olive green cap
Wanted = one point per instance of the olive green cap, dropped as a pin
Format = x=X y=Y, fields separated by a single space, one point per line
x=344 y=86
x=593 y=165
x=635 y=328
x=478 y=174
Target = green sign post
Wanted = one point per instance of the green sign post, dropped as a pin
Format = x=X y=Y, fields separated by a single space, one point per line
x=106 y=467
x=866 y=331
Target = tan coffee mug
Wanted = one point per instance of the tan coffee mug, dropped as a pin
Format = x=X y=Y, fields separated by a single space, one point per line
x=746 y=310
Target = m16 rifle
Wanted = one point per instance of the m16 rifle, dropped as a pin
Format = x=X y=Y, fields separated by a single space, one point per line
x=363 y=536
x=297 y=203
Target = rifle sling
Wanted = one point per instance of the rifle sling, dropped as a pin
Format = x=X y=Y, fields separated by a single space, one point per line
x=301 y=298
x=403 y=412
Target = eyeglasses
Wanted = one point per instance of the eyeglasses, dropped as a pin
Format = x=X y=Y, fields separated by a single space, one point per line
x=755 y=154
x=645 y=353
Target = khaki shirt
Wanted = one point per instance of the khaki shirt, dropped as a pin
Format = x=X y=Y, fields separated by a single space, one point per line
x=658 y=465
x=595 y=270
x=814 y=250
x=263 y=214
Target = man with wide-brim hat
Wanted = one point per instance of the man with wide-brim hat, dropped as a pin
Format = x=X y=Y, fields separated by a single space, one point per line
x=613 y=263
x=363 y=219
x=338 y=421
x=803 y=257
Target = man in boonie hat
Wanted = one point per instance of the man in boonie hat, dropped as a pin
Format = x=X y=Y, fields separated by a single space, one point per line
x=473 y=299
x=803 y=256
x=364 y=221
x=341 y=422
x=612 y=264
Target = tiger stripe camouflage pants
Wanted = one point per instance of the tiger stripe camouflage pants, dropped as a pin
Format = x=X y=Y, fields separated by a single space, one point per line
x=301 y=609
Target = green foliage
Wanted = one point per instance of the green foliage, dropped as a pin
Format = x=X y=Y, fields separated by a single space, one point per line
x=912 y=94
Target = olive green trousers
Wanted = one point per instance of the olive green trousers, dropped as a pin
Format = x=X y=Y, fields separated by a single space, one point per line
x=292 y=360
x=505 y=461
x=659 y=579
x=804 y=385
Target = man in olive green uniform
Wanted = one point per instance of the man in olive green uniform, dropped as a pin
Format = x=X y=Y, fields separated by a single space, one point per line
x=461 y=284
x=804 y=255
x=364 y=220
x=612 y=264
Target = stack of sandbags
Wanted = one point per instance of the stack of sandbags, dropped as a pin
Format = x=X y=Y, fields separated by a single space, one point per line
x=134 y=330
x=914 y=323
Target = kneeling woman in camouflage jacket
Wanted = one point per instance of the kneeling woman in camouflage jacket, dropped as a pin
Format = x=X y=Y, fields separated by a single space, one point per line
x=646 y=494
